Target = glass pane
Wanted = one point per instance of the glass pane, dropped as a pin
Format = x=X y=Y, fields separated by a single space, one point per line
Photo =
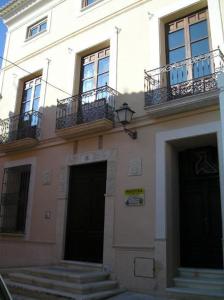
x=87 y=85
x=199 y=48
x=198 y=31
x=201 y=68
x=90 y=2
x=178 y=75
x=33 y=31
x=103 y=65
x=88 y=71
x=27 y=95
x=43 y=26
x=26 y=107
x=37 y=91
x=36 y=104
x=34 y=120
x=176 y=55
x=103 y=80
x=176 y=39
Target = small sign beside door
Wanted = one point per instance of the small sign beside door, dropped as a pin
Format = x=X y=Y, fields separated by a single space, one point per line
x=134 y=197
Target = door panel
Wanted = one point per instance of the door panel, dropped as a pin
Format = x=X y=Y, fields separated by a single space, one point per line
x=85 y=216
x=200 y=209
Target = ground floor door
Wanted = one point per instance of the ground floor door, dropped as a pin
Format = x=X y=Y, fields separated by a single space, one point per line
x=200 y=209
x=85 y=213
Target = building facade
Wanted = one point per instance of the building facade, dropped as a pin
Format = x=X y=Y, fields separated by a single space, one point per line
x=76 y=184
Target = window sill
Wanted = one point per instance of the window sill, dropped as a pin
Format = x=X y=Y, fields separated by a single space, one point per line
x=30 y=38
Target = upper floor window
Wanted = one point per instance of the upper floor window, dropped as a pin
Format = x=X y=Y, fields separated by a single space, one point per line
x=188 y=37
x=37 y=28
x=95 y=71
x=30 y=101
x=87 y=2
x=31 y=95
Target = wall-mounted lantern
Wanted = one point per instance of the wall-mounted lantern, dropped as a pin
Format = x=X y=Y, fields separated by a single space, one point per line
x=124 y=115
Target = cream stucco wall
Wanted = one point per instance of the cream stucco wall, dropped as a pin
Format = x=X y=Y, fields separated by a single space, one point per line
x=130 y=232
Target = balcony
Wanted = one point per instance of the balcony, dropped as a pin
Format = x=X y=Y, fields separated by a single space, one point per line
x=20 y=132
x=185 y=85
x=89 y=113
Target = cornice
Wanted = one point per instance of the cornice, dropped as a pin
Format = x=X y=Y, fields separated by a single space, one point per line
x=15 y=7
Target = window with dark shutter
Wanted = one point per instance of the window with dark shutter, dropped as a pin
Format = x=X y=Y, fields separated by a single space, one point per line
x=14 y=197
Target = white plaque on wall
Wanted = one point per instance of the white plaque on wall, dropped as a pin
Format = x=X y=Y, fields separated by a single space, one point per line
x=135 y=167
x=46 y=177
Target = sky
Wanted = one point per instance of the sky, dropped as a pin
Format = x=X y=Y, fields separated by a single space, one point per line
x=2 y=31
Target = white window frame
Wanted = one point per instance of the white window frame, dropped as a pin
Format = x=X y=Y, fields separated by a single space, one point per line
x=31 y=84
x=37 y=25
x=85 y=6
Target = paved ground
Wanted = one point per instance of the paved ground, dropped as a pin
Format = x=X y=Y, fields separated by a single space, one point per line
x=135 y=296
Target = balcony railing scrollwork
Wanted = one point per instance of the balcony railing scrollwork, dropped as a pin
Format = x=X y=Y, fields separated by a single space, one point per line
x=25 y=125
x=90 y=106
x=189 y=77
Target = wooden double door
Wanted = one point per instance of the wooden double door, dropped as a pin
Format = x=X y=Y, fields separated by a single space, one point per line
x=85 y=213
x=200 y=209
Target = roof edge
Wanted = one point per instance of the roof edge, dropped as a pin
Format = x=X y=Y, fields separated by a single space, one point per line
x=14 y=7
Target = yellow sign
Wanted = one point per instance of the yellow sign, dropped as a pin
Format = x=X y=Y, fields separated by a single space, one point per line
x=134 y=197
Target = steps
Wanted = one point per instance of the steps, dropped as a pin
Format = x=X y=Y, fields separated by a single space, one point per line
x=202 y=283
x=75 y=281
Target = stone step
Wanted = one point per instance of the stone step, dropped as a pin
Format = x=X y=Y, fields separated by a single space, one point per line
x=19 y=297
x=176 y=293
x=76 y=288
x=200 y=283
x=202 y=273
x=78 y=265
x=34 y=292
x=67 y=275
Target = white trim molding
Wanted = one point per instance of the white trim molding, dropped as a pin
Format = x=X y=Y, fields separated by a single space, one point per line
x=161 y=139
x=110 y=156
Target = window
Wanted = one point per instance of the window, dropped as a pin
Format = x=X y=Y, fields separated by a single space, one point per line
x=31 y=95
x=95 y=70
x=188 y=37
x=87 y=2
x=30 y=103
x=37 y=28
x=14 y=197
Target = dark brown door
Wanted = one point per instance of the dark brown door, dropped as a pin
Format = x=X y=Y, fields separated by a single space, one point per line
x=85 y=215
x=200 y=209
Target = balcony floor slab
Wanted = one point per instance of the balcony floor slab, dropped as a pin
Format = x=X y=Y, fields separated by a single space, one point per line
x=85 y=129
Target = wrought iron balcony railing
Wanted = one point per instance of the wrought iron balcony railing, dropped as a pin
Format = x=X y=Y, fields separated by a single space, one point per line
x=191 y=76
x=90 y=106
x=25 y=125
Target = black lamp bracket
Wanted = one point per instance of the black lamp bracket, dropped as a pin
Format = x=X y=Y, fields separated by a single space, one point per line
x=132 y=134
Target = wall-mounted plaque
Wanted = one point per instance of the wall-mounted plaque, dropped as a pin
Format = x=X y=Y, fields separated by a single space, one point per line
x=134 y=197
x=135 y=167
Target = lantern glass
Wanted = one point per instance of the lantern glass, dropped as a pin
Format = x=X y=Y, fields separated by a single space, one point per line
x=124 y=114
